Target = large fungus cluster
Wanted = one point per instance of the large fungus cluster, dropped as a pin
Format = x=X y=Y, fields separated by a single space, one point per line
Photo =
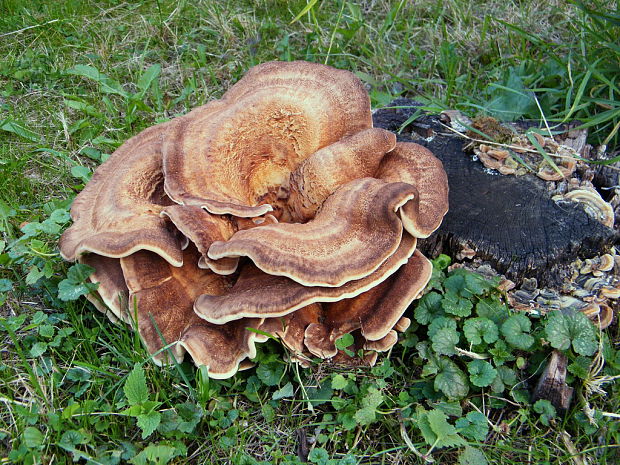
x=277 y=208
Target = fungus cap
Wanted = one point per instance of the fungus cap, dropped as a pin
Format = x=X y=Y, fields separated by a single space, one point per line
x=248 y=143
x=416 y=165
x=117 y=213
x=356 y=230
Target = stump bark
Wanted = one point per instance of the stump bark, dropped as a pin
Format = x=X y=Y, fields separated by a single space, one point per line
x=509 y=221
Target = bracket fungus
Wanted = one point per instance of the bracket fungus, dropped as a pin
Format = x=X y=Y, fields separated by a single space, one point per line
x=276 y=208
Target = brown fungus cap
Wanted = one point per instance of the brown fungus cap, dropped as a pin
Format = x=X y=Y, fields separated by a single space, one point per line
x=112 y=290
x=202 y=229
x=290 y=328
x=317 y=177
x=416 y=165
x=375 y=312
x=247 y=144
x=260 y=295
x=117 y=213
x=356 y=230
x=163 y=296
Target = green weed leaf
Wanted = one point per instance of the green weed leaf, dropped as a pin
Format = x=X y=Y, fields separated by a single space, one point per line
x=478 y=329
x=284 y=392
x=546 y=410
x=14 y=127
x=472 y=456
x=474 y=426
x=450 y=379
x=481 y=373
x=270 y=373
x=106 y=84
x=515 y=330
x=135 y=386
x=148 y=423
x=456 y=305
x=445 y=341
x=445 y=434
x=429 y=308
x=563 y=330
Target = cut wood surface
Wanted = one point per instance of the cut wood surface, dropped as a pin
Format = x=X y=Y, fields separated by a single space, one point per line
x=509 y=221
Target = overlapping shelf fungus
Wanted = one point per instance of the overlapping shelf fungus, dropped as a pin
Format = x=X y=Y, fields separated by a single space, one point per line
x=277 y=207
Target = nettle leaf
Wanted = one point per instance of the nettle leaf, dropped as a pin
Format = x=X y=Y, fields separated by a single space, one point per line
x=472 y=456
x=135 y=386
x=456 y=305
x=546 y=410
x=148 y=423
x=563 y=330
x=515 y=330
x=474 y=426
x=450 y=379
x=478 y=329
x=580 y=367
x=440 y=323
x=481 y=373
x=445 y=341
x=493 y=309
x=428 y=308
x=443 y=434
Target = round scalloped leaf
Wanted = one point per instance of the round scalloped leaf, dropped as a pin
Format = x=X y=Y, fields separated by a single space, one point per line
x=445 y=341
x=516 y=331
x=451 y=380
x=481 y=373
x=564 y=330
x=429 y=308
x=478 y=329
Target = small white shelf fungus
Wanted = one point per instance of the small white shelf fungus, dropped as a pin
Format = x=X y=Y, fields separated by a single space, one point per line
x=277 y=208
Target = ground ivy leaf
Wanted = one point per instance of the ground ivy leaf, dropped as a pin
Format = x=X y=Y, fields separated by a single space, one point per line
x=481 y=373
x=450 y=379
x=270 y=373
x=428 y=308
x=563 y=330
x=445 y=341
x=456 y=305
x=135 y=386
x=546 y=410
x=473 y=426
x=478 y=329
x=493 y=309
x=515 y=330
x=440 y=323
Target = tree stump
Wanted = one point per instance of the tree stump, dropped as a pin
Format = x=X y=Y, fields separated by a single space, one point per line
x=509 y=221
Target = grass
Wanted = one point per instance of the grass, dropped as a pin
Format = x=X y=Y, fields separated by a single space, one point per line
x=64 y=367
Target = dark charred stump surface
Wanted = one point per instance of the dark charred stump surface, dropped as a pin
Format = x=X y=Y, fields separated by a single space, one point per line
x=509 y=221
